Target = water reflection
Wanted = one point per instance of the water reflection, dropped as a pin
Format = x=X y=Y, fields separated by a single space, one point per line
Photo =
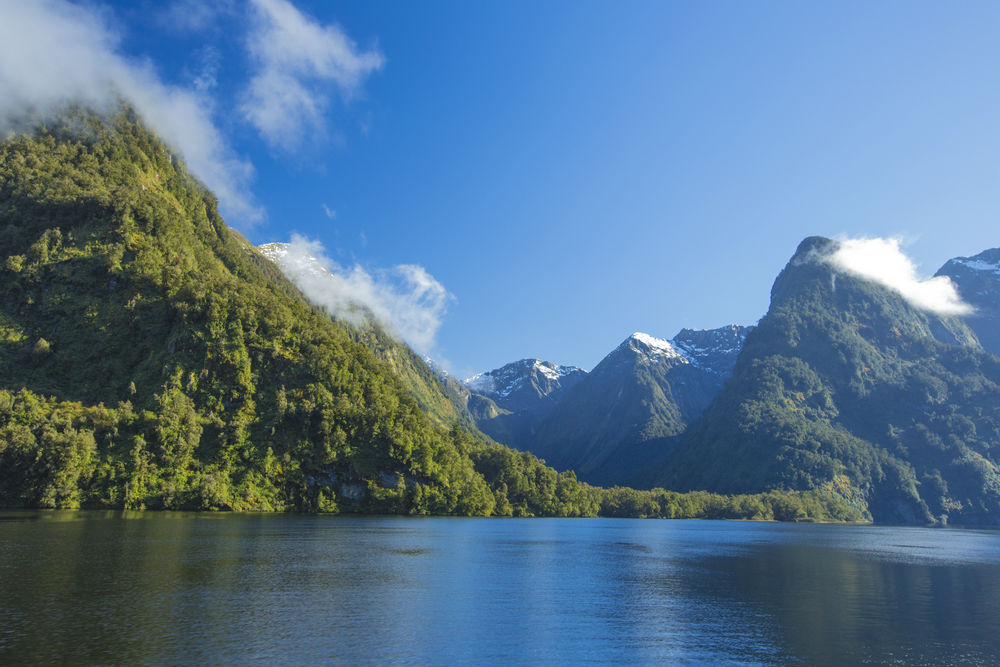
x=262 y=589
x=837 y=610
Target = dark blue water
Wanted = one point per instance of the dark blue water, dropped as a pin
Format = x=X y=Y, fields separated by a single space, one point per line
x=86 y=588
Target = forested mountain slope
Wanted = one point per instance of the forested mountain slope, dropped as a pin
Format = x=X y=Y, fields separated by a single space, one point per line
x=845 y=386
x=978 y=281
x=151 y=357
x=426 y=386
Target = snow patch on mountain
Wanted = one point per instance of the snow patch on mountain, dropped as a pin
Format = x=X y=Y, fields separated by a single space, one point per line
x=713 y=350
x=506 y=380
x=979 y=265
x=482 y=383
x=551 y=371
x=655 y=347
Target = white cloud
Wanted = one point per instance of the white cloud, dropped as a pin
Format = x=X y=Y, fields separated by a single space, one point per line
x=329 y=212
x=299 y=61
x=882 y=261
x=406 y=299
x=53 y=53
x=207 y=77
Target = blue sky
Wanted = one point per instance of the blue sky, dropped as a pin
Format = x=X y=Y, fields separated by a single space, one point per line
x=572 y=172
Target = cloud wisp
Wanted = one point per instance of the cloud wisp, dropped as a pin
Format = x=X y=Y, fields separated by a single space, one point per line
x=881 y=260
x=194 y=16
x=299 y=62
x=406 y=299
x=53 y=53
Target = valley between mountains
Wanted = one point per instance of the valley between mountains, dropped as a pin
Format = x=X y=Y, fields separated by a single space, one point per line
x=844 y=386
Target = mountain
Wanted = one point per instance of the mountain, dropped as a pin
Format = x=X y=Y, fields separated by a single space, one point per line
x=152 y=357
x=425 y=384
x=847 y=387
x=714 y=350
x=509 y=403
x=629 y=409
x=978 y=281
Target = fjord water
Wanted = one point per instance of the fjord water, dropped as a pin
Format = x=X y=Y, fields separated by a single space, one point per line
x=161 y=588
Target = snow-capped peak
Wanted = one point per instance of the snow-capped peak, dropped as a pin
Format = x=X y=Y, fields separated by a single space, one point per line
x=724 y=340
x=553 y=371
x=507 y=379
x=714 y=350
x=274 y=251
x=481 y=383
x=655 y=348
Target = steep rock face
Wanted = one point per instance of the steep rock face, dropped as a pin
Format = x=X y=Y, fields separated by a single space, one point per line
x=629 y=409
x=509 y=403
x=978 y=281
x=713 y=349
x=846 y=386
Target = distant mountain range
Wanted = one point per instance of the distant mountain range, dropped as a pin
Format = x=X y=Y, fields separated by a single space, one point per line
x=510 y=403
x=978 y=281
x=844 y=386
x=607 y=424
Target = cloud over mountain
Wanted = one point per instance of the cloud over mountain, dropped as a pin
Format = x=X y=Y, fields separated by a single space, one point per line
x=882 y=261
x=406 y=299
x=53 y=53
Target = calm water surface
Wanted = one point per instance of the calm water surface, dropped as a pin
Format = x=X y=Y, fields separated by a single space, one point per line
x=86 y=588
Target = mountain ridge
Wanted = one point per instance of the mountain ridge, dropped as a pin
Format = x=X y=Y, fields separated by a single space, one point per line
x=150 y=357
x=425 y=384
x=510 y=403
x=846 y=386
x=977 y=279
x=628 y=409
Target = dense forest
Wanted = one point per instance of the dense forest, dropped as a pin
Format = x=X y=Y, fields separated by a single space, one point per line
x=846 y=387
x=150 y=357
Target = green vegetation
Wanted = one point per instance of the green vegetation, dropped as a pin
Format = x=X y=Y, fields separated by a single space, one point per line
x=58 y=454
x=770 y=506
x=444 y=402
x=150 y=357
x=628 y=412
x=846 y=388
